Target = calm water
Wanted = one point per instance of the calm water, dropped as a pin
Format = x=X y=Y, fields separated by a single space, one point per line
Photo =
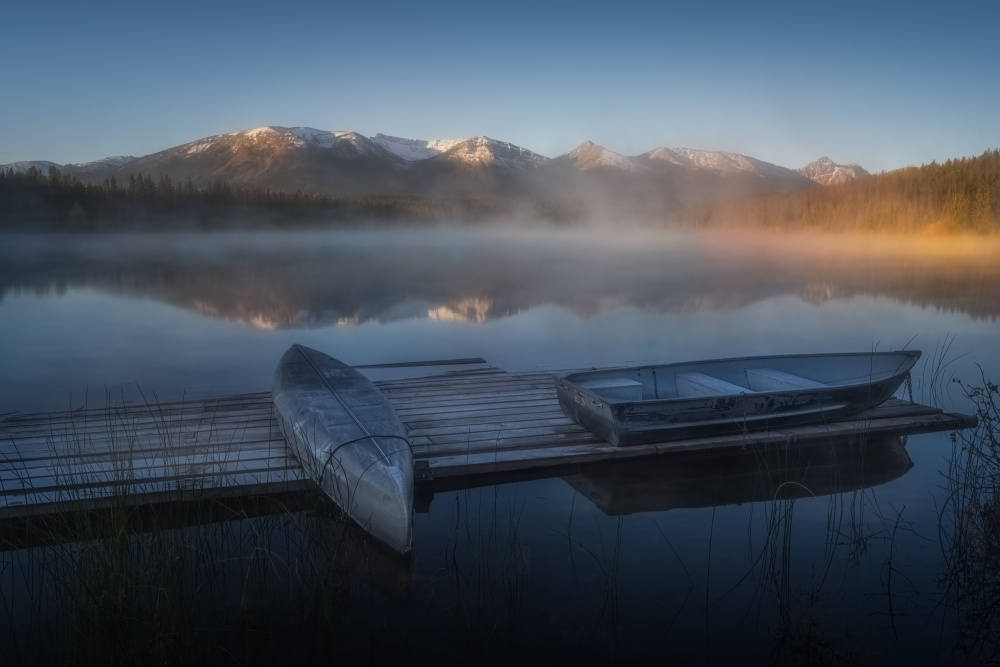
x=677 y=560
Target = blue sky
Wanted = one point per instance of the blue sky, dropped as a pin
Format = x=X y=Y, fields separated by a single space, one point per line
x=884 y=84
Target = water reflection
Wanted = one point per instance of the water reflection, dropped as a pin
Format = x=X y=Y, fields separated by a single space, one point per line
x=309 y=280
x=713 y=479
x=747 y=476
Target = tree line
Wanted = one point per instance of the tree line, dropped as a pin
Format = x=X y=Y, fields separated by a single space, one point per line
x=958 y=196
x=33 y=200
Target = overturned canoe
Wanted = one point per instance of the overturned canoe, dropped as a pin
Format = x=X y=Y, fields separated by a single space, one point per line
x=643 y=404
x=349 y=440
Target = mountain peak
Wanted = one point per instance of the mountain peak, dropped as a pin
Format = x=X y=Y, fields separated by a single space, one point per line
x=827 y=172
x=483 y=150
x=414 y=149
x=589 y=155
x=721 y=162
x=110 y=161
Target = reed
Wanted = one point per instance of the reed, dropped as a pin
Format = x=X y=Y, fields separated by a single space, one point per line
x=970 y=527
x=126 y=581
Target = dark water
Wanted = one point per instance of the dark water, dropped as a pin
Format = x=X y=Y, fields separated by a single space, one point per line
x=834 y=556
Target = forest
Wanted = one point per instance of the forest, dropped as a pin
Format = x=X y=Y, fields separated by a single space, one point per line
x=36 y=201
x=960 y=196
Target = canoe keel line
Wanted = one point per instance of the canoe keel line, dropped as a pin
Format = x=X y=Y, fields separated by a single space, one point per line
x=349 y=440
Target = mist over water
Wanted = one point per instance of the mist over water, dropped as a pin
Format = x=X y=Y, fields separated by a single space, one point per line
x=690 y=561
x=211 y=313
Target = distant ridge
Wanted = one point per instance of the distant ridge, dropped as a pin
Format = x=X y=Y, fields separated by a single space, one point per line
x=827 y=172
x=340 y=162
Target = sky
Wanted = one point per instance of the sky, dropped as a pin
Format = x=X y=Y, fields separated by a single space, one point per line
x=881 y=84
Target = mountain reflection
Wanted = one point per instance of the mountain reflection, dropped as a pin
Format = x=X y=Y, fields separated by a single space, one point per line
x=312 y=280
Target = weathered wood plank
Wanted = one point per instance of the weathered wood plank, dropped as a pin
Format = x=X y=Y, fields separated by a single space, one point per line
x=437 y=403
x=57 y=442
x=514 y=435
x=500 y=461
x=526 y=421
x=225 y=402
x=138 y=459
x=467 y=361
x=206 y=413
x=188 y=471
x=485 y=410
x=19 y=449
x=501 y=382
x=155 y=492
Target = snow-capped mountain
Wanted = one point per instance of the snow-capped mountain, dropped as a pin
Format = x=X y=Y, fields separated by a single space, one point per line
x=24 y=165
x=345 y=143
x=719 y=162
x=346 y=162
x=414 y=149
x=589 y=155
x=827 y=172
x=280 y=158
x=84 y=170
x=484 y=151
x=98 y=168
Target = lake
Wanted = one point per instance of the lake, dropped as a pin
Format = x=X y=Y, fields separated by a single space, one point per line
x=670 y=560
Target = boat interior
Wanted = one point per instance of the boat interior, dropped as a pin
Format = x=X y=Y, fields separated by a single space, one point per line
x=742 y=376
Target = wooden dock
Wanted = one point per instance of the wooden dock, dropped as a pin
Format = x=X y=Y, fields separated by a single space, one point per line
x=460 y=424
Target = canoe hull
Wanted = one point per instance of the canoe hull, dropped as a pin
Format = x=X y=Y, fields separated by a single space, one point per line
x=349 y=440
x=834 y=386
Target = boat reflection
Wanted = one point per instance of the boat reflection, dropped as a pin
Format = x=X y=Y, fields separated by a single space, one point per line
x=710 y=479
x=674 y=482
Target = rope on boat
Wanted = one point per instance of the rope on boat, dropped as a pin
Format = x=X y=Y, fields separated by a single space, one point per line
x=333 y=451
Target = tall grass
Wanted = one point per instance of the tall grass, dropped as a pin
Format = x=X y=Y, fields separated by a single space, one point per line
x=970 y=527
x=126 y=581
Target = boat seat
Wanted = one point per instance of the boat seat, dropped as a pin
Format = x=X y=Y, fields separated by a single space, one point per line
x=615 y=388
x=768 y=379
x=692 y=385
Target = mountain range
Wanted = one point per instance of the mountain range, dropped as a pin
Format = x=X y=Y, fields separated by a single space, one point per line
x=346 y=162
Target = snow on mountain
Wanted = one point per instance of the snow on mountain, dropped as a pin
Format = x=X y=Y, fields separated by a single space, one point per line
x=80 y=170
x=827 y=172
x=341 y=161
x=103 y=167
x=294 y=136
x=320 y=138
x=414 y=149
x=490 y=152
x=717 y=161
x=589 y=155
x=112 y=161
x=24 y=165
x=277 y=139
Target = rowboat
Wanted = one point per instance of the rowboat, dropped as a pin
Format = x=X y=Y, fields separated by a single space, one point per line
x=349 y=440
x=643 y=404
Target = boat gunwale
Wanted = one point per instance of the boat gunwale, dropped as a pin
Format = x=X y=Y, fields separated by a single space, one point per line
x=618 y=404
